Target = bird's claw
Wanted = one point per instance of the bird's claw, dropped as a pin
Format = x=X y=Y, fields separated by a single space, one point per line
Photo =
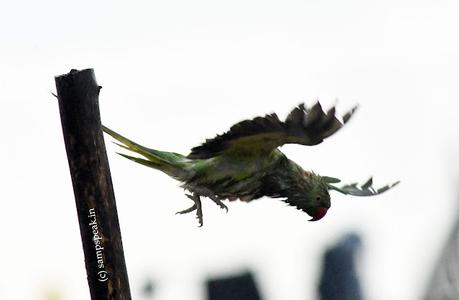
x=219 y=203
x=196 y=206
x=185 y=211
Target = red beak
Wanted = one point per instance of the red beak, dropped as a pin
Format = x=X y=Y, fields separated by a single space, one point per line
x=319 y=214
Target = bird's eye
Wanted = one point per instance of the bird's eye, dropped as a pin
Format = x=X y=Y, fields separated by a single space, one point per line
x=318 y=198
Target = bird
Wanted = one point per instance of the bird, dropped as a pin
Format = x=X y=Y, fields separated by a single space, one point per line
x=246 y=163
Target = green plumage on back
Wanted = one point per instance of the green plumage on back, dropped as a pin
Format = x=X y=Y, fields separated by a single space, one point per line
x=246 y=164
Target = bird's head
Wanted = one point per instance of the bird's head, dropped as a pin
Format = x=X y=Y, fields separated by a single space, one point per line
x=313 y=199
x=309 y=192
x=318 y=204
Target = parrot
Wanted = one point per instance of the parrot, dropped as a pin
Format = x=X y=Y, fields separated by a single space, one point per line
x=245 y=163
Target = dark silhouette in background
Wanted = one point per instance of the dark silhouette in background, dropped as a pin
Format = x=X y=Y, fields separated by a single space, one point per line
x=148 y=288
x=444 y=283
x=238 y=287
x=339 y=279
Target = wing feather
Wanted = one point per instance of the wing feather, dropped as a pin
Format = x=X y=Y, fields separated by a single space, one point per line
x=365 y=189
x=305 y=126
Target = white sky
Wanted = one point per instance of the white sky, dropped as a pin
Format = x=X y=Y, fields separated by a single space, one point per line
x=177 y=72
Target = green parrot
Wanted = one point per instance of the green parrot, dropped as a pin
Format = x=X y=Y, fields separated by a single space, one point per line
x=245 y=163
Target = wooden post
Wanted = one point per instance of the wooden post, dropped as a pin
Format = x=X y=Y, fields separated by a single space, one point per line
x=78 y=95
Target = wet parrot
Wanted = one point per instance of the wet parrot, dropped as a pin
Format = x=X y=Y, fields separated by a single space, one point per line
x=246 y=163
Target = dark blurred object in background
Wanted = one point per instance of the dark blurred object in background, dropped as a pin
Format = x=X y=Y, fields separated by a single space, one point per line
x=238 y=287
x=444 y=284
x=339 y=280
x=148 y=288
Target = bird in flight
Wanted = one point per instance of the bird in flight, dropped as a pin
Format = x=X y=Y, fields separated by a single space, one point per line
x=245 y=163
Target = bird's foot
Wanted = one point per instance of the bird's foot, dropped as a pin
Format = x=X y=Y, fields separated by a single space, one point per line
x=185 y=211
x=196 y=206
x=219 y=203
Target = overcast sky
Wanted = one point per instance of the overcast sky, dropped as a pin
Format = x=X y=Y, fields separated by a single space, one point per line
x=177 y=72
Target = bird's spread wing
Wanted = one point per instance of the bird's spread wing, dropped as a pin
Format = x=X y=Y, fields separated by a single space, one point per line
x=365 y=189
x=305 y=126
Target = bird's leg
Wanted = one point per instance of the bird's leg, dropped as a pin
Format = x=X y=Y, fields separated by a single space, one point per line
x=197 y=202
x=196 y=206
x=219 y=202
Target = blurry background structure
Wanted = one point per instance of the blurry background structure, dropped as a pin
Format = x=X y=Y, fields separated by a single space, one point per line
x=177 y=72
x=444 y=283
x=339 y=278
x=236 y=287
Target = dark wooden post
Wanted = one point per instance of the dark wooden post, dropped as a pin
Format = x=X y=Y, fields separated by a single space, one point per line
x=78 y=95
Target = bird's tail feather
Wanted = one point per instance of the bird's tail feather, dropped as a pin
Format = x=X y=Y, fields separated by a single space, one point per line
x=173 y=164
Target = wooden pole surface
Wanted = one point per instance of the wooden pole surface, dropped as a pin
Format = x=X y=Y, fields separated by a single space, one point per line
x=78 y=95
